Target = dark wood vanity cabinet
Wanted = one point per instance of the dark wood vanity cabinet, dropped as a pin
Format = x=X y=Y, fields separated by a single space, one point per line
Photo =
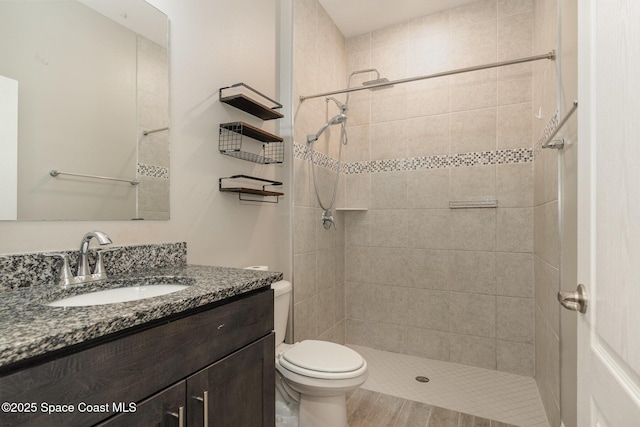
x=158 y=376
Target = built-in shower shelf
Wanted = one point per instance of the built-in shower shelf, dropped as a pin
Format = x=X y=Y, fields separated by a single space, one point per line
x=250 y=185
x=352 y=209
x=246 y=103
x=231 y=139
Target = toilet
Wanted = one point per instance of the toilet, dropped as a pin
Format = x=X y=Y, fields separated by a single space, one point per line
x=312 y=377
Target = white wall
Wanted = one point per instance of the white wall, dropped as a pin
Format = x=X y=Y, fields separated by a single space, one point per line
x=213 y=44
x=8 y=147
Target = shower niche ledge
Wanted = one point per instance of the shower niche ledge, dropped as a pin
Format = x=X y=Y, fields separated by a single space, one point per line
x=232 y=136
x=352 y=209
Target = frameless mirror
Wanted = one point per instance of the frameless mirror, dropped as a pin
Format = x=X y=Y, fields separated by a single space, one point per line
x=83 y=92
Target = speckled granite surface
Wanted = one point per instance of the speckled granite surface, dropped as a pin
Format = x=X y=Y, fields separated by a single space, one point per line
x=36 y=269
x=28 y=328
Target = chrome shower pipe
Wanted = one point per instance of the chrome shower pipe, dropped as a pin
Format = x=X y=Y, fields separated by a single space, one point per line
x=550 y=55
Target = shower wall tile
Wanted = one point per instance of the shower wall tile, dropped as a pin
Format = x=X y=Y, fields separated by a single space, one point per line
x=304 y=225
x=304 y=276
x=357 y=44
x=429 y=269
x=325 y=270
x=479 y=11
x=421 y=278
x=515 y=230
x=389 y=190
x=514 y=126
x=475 y=90
x=388 y=266
x=428 y=343
x=427 y=136
x=473 y=44
x=429 y=97
x=473 y=314
x=473 y=229
x=546 y=231
x=388 y=140
x=390 y=60
x=304 y=313
x=472 y=183
x=514 y=274
x=390 y=104
x=390 y=226
x=429 y=54
x=357 y=264
x=428 y=189
x=388 y=305
x=473 y=130
x=430 y=24
x=515 y=36
x=429 y=228
x=358 y=300
x=474 y=351
x=358 y=190
x=358 y=148
x=514 y=318
x=516 y=358
x=427 y=309
x=514 y=7
x=390 y=35
x=514 y=185
x=358 y=229
x=320 y=64
x=383 y=336
x=326 y=307
x=514 y=84
x=474 y=271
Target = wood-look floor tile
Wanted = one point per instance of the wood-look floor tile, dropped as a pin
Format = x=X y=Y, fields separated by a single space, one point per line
x=366 y=408
x=441 y=417
x=413 y=414
x=467 y=420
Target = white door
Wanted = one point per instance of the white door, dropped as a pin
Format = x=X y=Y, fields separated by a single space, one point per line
x=609 y=212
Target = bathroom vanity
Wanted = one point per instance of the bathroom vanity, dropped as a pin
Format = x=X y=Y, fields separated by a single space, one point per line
x=201 y=356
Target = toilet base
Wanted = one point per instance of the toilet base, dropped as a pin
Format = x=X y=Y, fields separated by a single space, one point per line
x=323 y=411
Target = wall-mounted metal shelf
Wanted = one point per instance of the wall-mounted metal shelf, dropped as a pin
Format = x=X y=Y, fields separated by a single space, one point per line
x=249 y=105
x=240 y=187
x=230 y=143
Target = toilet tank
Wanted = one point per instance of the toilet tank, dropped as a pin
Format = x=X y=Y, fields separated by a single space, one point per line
x=282 y=299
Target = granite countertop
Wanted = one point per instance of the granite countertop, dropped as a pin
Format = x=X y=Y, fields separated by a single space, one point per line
x=28 y=328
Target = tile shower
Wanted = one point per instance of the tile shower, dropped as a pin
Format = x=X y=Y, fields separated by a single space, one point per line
x=415 y=276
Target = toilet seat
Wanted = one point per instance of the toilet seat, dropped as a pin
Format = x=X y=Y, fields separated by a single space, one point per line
x=322 y=360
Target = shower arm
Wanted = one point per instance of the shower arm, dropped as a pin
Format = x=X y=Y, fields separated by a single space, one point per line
x=550 y=55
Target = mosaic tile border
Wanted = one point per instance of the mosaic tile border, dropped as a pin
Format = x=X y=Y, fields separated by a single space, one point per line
x=480 y=158
x=34 y=269
x=153 y=171
x=549 y=128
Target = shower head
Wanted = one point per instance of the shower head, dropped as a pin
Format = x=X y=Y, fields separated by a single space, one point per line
x=336 y=120
x=377 y=81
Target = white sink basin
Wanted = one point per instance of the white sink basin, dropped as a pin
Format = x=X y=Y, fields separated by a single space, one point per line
x=111 y=296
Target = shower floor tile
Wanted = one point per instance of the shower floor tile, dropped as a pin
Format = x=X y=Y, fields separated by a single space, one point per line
x=494 y=395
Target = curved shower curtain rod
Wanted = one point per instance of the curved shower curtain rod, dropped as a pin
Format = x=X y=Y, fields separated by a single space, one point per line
x=551 y=56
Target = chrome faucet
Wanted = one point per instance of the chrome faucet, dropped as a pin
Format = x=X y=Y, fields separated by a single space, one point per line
x=84 y=273
x=66 y=278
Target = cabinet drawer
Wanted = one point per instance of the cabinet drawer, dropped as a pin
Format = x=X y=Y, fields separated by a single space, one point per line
x=133 y=367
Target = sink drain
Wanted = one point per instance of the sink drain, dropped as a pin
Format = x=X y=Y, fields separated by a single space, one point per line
x=422 y=379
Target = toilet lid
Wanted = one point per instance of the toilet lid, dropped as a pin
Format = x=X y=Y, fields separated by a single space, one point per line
x=323 y=356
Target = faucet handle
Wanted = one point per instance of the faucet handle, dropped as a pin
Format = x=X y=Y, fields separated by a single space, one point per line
x=65 y=277
x=99 y=272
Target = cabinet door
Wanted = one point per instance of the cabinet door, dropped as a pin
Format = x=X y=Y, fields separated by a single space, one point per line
x=165 y=409
x=238 y=390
